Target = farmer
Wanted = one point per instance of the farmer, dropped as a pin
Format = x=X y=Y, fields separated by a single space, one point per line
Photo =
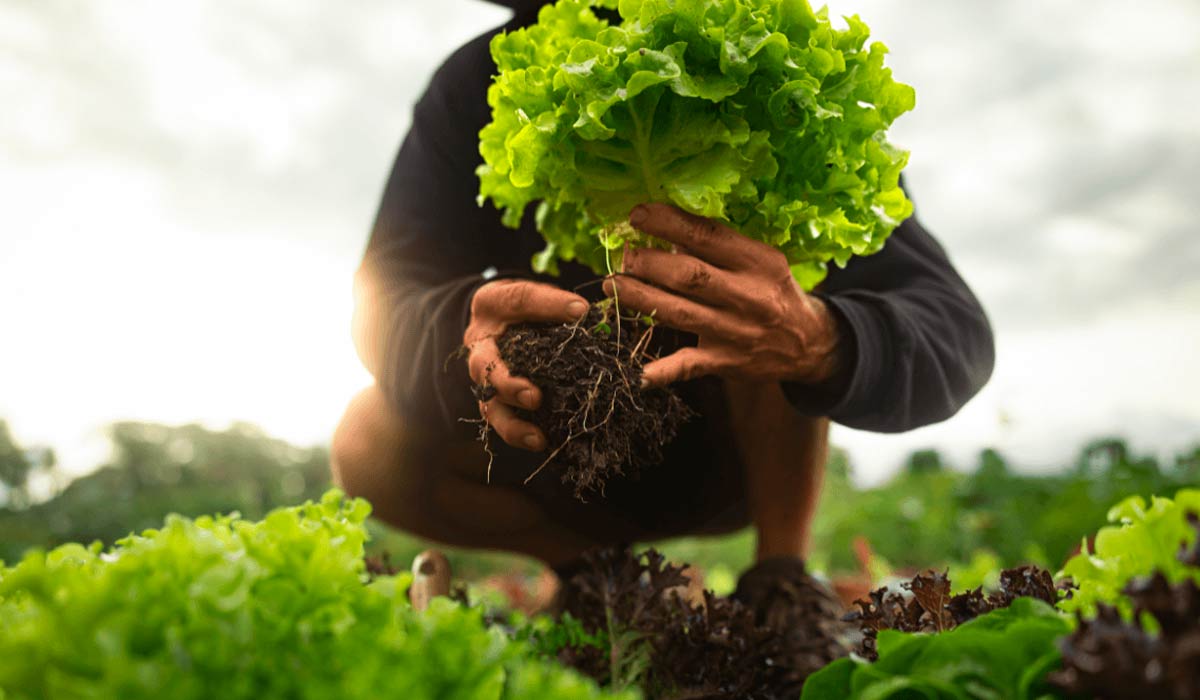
x=891 y=342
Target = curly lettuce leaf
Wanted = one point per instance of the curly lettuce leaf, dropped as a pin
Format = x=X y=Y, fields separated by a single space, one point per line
x=220 y=607
x=757 y=112
x=1144 y=539
x=1003 y=654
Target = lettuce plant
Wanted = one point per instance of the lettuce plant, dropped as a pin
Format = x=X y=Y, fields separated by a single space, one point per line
x=760 y=113
x=1003 y=654
x=226 y=608
x=1144 y=539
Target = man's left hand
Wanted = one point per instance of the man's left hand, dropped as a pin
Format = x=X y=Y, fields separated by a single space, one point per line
x=753 y=320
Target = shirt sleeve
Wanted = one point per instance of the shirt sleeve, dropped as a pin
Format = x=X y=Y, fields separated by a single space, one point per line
x=431 y=247
x=917 y=341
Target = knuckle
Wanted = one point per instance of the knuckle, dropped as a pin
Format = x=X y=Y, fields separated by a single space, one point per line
x=702 y=229
x=517 y=296
x=696 y=276
x=481 y=371
x=773 y=306
x=475 y=367
x=629 y=262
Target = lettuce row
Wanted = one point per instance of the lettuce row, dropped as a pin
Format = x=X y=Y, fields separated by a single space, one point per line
x=222 y=607
x=1144 y=539
x=756 y=112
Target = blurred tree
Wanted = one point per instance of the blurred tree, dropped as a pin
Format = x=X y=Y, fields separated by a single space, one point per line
x=14 y=469
x=992 y=463
x=1101 y=455
x=49 y=466
x=924 y=461
x=926 y=515
x=1187 y=466
x=156 y=470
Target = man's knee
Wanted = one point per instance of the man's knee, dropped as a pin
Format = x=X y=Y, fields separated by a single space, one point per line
x=365 y=443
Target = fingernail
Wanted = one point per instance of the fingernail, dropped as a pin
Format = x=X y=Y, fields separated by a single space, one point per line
x=531 y=441
x=638 y=215
x=577 y=308
x=525 y=398
x=643 y=385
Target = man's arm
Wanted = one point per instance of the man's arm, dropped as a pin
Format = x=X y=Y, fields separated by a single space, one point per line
x=429 y=248
x=422 y=296
x=916 y=342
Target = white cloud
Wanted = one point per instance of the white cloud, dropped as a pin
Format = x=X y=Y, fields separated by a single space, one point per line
x=188 y=187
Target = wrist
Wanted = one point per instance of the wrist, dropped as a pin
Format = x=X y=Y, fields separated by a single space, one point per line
x=823 y=362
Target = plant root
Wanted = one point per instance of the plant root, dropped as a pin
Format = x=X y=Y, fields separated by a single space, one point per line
x=598 y=420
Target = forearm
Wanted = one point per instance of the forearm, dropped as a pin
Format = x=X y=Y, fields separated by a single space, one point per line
x=915 y=344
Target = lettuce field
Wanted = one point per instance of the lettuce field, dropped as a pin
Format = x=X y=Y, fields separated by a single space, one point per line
x=284 y=607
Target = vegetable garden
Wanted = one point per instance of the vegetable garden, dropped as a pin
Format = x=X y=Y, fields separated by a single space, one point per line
x=758 y=113
x=285 y=607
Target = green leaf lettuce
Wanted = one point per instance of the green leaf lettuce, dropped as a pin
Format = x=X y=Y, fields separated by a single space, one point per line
x=226 y=608
x=1003 y=654
x=1144 y=538
x=757 y=112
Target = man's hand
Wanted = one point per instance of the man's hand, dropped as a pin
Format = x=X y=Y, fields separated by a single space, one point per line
x=738 y=295
x=494 y=307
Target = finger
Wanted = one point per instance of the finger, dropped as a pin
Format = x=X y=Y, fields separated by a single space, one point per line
x=517 y=301
x=484 y=357
x=679 y=366
x=511 y=429
x=705 y=238
x=487 y=368
x=687 y=275
x=670 y=309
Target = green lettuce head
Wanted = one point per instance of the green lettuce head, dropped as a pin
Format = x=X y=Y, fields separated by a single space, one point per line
x=755 y=112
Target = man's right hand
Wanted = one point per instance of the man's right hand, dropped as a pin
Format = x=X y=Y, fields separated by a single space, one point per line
x=494 y=307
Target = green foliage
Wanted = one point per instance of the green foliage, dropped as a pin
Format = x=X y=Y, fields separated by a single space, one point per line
x=925 y=517
x=224 y=607
x=983 y=570
x=1147 y=539
x=549 y=637
x=158 y=469
x=756 y=112
x=14 y=465
x=1003 y=654
x=920 y=518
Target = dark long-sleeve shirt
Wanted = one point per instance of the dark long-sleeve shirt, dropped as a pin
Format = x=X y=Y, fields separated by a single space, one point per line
x=917 y=342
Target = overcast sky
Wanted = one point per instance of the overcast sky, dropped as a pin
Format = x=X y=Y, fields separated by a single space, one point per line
x=186 y=188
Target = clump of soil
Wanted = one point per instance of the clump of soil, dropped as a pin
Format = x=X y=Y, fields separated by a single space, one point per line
x=598 y=421
x=675 y=648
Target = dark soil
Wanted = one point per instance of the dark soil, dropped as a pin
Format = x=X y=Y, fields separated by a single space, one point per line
x=597 y=419
x=673 y=648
